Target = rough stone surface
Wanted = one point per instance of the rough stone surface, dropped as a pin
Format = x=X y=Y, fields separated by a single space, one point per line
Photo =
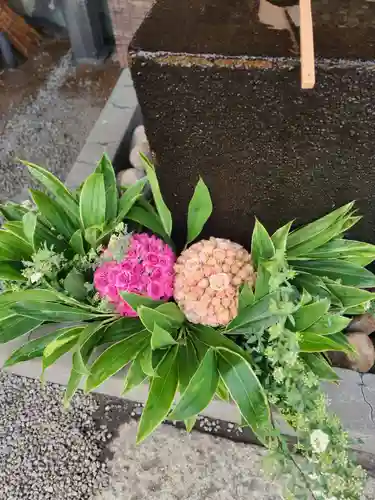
x=172 y=464
x=46 y=452
x=226 y=104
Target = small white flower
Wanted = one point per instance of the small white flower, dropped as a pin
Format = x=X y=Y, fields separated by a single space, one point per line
x=319 y=441
x=34 y=278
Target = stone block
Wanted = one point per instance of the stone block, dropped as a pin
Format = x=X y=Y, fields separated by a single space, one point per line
x=221 y=97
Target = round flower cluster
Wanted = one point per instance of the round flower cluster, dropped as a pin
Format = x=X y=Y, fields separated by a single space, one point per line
x=146 y=269
x=207 y=281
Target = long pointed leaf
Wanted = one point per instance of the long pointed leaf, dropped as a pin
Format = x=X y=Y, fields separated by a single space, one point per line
x=344 y=272
x=63 y=196
x=313 y=229
x=200 y=209
x=312 y=342
x=147 y=219
x=53 y=312
x=247 y=392
x=135 y=375
x=60 y=345
x=320 y=366
x=161 y=207
x=14 y=326
x=111 y=195
x=161 y=395
x=114 y=358
x=262 y=247
x=129 y=198
x=11 y=271
x=53 y=213
x=307 y=315
x=31 y=350
x=92 y=202
x=200 y=390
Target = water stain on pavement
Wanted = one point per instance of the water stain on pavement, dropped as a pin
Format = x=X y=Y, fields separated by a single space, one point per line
x=47 y=108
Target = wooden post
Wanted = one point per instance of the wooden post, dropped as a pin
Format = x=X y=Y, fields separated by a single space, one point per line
x=307 y=45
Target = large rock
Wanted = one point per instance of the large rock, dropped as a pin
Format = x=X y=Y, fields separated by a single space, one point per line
x=221 y=98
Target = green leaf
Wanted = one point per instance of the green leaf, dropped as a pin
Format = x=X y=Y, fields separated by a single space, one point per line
x=147 y=219
x=312 y=284
x=134 y=300
x=135 y=375
x=188 y=363
x=247 y=297
x=77 y=243
x=13 y=211
x=213 y=338
x=13 y=248
x=161 y=395
x=173 y=312
x=345 y=272
x=247 y=392
x=329 y=324
x=320 y=366
x=75 y=379
x=53 y=312
x=29 y=222
x=222 y=391
x=312 y=342
x=345 y=249
x=262 y=283
x=60 y=345
x=92 y=235
x=307 y=315
x=161 y=207
x=92 y=203
x=200 y=390
x=16 y=228
x=280 y=237
x=53 y=213
x=160 y=338
x=74 y=284
x=114 y=358
x=129 y=198
x=11 y=271
x=31 y=350
x=9 y=298
x=349 y=296
x=200 y=210
x=262 y=247
x=89 y=338
x=13 y=326
x=147 y=361
x=258 y=311
x=121 y=329
x=105 y=168
x=63 y=196
x=151 y=317
x=314 y=229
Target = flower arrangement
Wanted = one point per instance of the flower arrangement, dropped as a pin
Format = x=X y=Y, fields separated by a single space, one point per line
x=250 y=326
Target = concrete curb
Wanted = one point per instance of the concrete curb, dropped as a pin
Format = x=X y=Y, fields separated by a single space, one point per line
x=110 y=133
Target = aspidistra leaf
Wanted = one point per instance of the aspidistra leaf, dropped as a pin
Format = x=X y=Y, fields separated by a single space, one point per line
x=110 y=186
x=114 y=358
x=92 y=202
x=200 y=390
x=160 y=338
x=63 y=196
x=161 y=395
x=129 y=198
x=247 y=392
x=200 y=209
x=161 y=207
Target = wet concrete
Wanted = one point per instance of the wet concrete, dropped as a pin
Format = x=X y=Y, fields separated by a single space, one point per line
x=47 y=109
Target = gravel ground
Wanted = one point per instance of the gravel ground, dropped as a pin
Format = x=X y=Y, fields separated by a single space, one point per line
x=49 y=127
x=48 y=453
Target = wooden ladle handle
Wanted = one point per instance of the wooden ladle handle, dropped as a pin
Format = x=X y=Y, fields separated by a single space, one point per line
x=307 y=45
